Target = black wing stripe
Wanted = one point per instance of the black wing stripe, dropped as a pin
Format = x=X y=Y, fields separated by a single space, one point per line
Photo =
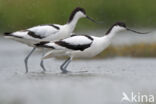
x=9 y=34
x=73 y=35
x=56 y=27
x=32 y=34
x=43 y=44
x=89 y=37
x=73 y=47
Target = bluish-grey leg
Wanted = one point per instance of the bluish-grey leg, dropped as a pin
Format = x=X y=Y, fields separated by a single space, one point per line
x=26 y=59
x=42 y=62
x=64 y=66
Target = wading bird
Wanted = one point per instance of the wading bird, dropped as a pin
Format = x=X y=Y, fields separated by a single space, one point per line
x=48 y=32
x=82 y=46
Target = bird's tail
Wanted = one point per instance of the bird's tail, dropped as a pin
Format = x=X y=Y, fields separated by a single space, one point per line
x=10 y=35
x=7 y=34
x=44 y=44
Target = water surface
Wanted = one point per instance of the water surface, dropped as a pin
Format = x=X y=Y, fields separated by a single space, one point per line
x=103 y=83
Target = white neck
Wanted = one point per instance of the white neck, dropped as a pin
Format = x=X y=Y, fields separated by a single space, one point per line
x=113 y=32
x=74 y=19
x=73 y=23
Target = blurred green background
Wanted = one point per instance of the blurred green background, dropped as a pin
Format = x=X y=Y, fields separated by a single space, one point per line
x=20 y=14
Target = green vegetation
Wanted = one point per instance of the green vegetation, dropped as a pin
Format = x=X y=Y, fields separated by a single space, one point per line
x=19 y=14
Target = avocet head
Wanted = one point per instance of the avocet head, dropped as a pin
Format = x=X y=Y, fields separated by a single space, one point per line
x=79 y=13
x=120 y=26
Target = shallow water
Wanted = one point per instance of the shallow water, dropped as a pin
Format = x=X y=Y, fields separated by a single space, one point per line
x=103 y=83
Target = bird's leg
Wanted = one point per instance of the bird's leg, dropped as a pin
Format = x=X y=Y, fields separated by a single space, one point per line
x=41 y=63
x=64 y=66
x=26 y=59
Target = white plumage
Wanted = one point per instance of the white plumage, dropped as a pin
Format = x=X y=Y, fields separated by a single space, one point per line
x=40 y=33
x=46 y=30
x=78 y=40
x=81 y=46
x=43 y=31
x=50 y=32
x=91 y=47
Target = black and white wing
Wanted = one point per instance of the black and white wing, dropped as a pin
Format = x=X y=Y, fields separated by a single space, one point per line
x=43 y=31
x=75 y=42
x=37 y=32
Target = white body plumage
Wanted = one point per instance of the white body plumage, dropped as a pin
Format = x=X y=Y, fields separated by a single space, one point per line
x=81 y=46
x=97 y=45
x=50 y=32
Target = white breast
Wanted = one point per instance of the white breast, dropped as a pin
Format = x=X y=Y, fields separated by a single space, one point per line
x=97 y=46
